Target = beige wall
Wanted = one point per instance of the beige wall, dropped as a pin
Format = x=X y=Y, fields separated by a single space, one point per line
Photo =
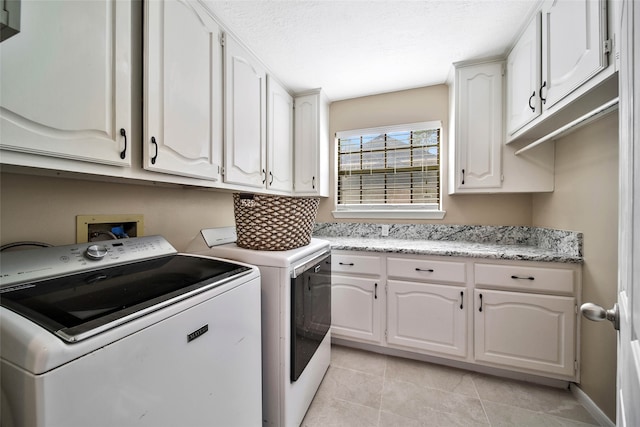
x=586 y=199
x=416 y=105
x=44 y=209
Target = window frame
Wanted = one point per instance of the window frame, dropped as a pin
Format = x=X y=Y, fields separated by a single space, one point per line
x=390 y=211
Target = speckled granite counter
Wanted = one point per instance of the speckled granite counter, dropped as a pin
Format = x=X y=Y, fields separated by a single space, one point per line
x=514 y=243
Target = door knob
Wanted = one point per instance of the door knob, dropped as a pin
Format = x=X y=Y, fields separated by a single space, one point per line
x=596 y=313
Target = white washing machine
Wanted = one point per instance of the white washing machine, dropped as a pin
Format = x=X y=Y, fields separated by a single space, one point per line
x=128 y=333
x=296 y=320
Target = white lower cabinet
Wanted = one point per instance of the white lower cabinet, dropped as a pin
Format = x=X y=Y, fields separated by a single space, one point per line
x=357 y=296
x=425 y=316
x=356 y=308
x=529 y=331
x=512 y=315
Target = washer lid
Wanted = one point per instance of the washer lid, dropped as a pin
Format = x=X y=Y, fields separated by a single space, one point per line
x=82 y=305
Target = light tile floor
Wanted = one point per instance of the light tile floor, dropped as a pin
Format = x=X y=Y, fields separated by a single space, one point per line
x=368 y=389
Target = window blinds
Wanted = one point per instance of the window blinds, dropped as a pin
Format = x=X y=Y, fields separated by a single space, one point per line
x=393 y=166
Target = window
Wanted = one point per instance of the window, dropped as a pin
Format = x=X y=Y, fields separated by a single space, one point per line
x=389 y=172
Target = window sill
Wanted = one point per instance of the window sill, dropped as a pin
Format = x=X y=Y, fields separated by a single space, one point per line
x=389 y=214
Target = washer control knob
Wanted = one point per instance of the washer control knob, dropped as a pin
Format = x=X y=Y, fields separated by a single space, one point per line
x=96 y=252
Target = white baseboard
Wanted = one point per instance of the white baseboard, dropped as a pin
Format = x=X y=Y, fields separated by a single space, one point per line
x=590 y=406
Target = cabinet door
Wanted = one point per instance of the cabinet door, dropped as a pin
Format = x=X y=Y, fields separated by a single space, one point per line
x=573 y=35
x=523 y=78
x=520 y=330
x=306 y=144
x=245 y=117
x=479 y=126
x=66 y=82
x=356 y=308
x=427 y=317
x=183 y=90
x=279 y=137
x=311 y=145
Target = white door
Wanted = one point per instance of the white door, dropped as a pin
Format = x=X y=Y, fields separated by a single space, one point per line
x=523 y=78
x=355 y=308
x=66 y=82
x=628 y=413
x=307 y=126
x=427 y=317
x=245 y=117
x=183 y=90
x=627 y=311
x=573 y=34
x=479 y=126
x=279 y=137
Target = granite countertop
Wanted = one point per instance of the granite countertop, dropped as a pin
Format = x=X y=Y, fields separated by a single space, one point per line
x=511 y=243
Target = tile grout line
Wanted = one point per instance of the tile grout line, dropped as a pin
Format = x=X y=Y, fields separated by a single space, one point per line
x=384 y=382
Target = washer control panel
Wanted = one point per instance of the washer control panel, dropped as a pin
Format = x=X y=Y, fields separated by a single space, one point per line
x=44 y=263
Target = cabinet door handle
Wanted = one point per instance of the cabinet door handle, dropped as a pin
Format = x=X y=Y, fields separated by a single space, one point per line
x=264 y=172
x=461 y=300
x=462 y=176
x=523 y=277
x=375 y=291
x=123 y=153
x=533 y=108
x=480 y=309
x=153 y=159
x=313 y=182
x=271 y=180
x=428 y=270
x=544 y=100
x=346 y=263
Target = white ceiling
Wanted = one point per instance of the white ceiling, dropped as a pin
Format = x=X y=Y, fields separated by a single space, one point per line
x=357 y=48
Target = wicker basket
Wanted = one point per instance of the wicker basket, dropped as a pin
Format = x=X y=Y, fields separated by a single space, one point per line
x=274 y=223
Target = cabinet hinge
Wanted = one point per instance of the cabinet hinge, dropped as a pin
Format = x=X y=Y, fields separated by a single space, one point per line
x=575 y=365
x=222 y=171
x=502 y=178
x=222 y=39
x=575 y=308
x=607 y=46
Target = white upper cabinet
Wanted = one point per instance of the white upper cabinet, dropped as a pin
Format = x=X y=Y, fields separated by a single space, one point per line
x=245 y=117
x=478 y=126
x=279 y=137
x=311 y=145
x=573 y=36
x=523 y=78
x=183 y=90
x=479 y=162
x=558 y=61
x=66 y=82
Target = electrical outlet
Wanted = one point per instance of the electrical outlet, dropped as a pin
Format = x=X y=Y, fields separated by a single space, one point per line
x=384 y=232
